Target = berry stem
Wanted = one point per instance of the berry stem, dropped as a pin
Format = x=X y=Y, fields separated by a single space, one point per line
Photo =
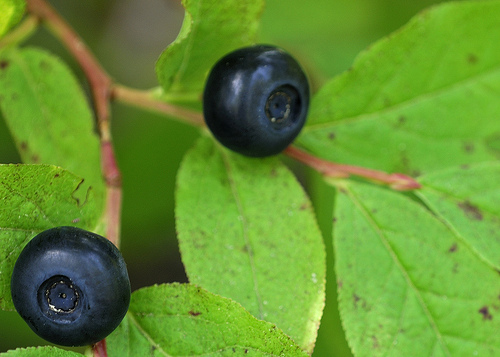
x=99 y=349
x=100 y=84
x=21 y=32
x=396 y=181
x=146 y=100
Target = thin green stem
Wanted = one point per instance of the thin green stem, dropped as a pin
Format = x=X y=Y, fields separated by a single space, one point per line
x=147 y=100
x=21 y=32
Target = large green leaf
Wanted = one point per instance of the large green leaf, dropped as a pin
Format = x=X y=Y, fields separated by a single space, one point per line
x=424 y=98
x=247 y=231
x=467 y=198
x=46 y=351
x=34 y=198
x=185 y=320
x=11 y=11
x=211 y=29
x=48 y=114
x=408 y=284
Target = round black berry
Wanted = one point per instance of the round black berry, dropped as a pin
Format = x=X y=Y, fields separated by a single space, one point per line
x=71 y=286
x=255 y=100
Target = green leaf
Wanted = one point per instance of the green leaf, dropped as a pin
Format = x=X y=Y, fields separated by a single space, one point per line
x=11 y=12
x=467 y=198
x=210 y=30
x=185 y=320
x=408 y=284
x=48 y=351
x=48 y=114
x=422 y=99
x=247 y=231
x=34 y=198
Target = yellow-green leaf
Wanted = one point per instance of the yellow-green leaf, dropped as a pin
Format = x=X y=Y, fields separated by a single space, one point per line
x=11 y=11
x=247 y=231
x=210 y=30
x=186 y=320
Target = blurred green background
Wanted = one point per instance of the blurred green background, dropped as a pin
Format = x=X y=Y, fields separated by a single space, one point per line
x=127 y=36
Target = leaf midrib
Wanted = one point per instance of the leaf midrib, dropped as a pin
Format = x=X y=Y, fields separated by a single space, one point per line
x=370 y=219
x=244 y=224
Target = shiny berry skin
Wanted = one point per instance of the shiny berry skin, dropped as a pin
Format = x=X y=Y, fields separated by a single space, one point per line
x=255 y=100
x=71 y=286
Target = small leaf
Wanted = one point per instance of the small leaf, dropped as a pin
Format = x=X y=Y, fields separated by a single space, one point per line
x=11 y=12
x=48 y=351
x=48 y=114
x=408 y=285
x=422 y=99
x=210 y=30
x=185 y=320
x=34 y=198
x=467 y=199
x=247 y=231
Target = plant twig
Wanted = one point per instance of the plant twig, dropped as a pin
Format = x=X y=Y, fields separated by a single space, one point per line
x=396 y=181
x=100 y=83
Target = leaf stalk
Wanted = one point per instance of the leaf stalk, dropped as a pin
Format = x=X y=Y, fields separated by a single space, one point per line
x=396 y=181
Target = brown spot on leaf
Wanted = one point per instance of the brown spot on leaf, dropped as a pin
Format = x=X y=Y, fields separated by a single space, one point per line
x=415 y=173
x=304 y=206
x=400 y=121
x=247 y=249
x=486 y=313
x=472 y=58
x=194 y=313
x=470 y=210
x=453 y=248
x=44 y=65
x=375 y=345
x=35 y=158
x=469 y=148
x=23 y=146
x=331 y=136
x=4 y=64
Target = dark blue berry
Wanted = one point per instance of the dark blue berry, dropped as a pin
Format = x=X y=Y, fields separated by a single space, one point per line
x=255 y=100
x=71 y=286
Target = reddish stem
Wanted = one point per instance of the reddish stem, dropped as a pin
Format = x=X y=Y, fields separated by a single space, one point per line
x=99 y=81
x=99 y=349
x=100 y=84
x=396 y=181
